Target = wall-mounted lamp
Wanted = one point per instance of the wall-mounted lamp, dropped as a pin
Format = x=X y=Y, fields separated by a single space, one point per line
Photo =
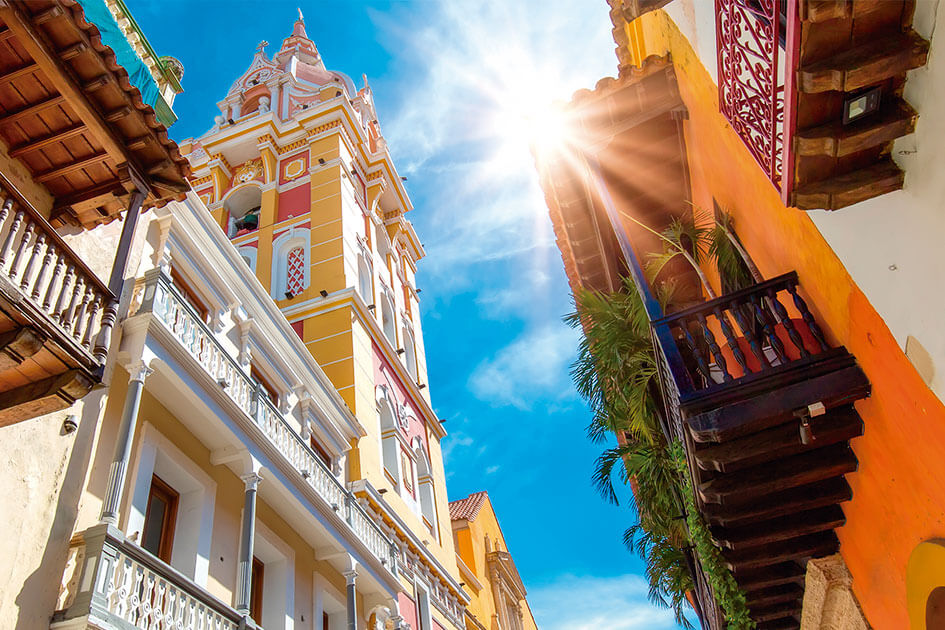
x=861 y=105
x=289 y=295
x=403 y=179
x=421 y=386
x=321 y=160
x=230 y=120
x=69 y=425
x=382 y=491
x=338 y=93
x=323 y=293
x=400 y=350
x=371 y=307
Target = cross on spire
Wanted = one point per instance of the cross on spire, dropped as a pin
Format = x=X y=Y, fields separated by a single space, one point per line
x=262 y=46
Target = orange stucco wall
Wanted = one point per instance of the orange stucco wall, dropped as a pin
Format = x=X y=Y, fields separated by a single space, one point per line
x=898 y=494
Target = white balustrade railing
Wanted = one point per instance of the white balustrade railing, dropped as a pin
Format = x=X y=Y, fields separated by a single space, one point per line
x=48 y=273
x=131 y=585
x=187 y=327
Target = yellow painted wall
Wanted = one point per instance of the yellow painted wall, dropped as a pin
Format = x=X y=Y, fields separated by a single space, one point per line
x=228 y=505
x=470 y=541
x=898 y=500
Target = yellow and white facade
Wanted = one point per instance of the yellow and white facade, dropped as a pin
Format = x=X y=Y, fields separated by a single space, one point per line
x=297 y=174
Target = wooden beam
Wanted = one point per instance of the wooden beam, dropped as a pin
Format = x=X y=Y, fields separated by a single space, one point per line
x=139 y=143
x=73 y=51
x=770 y=576
x=46 y=15
x=799 y=470
x=159 y=166
x=62 y=78
x=828 y=492
x=804 y=548
x=97 y=83
x=17 y=345
x=785 y=623
x=5 y=34
x=42 y=397
x=850 y=188
x=833 y=379
x=70 y=167
x=896 y=119
x=772 y=613
x=99 y=192
x=780 y=529
x=16 y=73
x=837 y=425
x=29 y=110
x=774 y=595
x=117 y=114
x=39 y=143
x=867 y=64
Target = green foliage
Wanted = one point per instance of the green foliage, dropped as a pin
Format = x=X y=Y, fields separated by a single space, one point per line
x=616 y=373
x=728 y=595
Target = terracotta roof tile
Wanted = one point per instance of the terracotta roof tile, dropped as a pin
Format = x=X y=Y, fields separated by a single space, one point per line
x=468 y=508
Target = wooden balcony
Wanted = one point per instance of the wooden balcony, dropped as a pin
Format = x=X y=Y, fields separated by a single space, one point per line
x=56 y=317
x=765 y=409
x=786 y=74
x=71 y=118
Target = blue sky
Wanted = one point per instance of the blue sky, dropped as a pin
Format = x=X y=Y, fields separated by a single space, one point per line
x=454 y=83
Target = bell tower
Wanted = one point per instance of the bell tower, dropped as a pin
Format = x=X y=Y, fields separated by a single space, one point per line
x=296 y=171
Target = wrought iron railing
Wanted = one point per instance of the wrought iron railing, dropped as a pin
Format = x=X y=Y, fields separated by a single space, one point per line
x=736 y=341
x=170 y=308
x=55 y=284
x=756 y=79
x=116 y=584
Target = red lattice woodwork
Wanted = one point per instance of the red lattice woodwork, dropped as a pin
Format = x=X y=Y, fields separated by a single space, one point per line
x=295 y=271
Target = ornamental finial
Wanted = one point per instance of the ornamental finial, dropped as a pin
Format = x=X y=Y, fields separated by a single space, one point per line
x=262 y=46
x=300 y=14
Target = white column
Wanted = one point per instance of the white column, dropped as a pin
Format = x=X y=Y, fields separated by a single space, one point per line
x=244 y=576
x=126 y=432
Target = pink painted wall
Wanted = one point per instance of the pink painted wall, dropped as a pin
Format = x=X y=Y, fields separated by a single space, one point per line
x=408 y=610
x=383 y=373
x=294 y=202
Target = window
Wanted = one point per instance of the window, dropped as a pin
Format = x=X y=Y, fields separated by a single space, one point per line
x=365 y=281
x=160 y=519
x=291 y=261
x=320 y=452
x=410 y=354
x=390 y=443
x=427 y=496
x=265 y=384
x=186 y=291
x=387 y=321
x=256 y=590
x=243 y=206
x=423 y=609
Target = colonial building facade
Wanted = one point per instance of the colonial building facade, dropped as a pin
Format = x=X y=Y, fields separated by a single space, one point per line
x=808 y=402
x=258 y=448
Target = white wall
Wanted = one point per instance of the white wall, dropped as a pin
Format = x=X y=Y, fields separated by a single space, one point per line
x=892 y=245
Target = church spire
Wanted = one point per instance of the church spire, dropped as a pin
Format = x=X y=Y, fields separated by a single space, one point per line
x=299 y=45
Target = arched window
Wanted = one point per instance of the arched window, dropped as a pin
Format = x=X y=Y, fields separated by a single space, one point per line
x=291 y=262
x=387 y=320
x=242 y=206
x=390 y=443
x=365 y=281
x=425 y=482
x=410 y=353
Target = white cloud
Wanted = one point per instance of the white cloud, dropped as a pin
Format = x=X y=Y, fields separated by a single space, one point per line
x=479 y=69
x=591 y=603
x=533 y=366
x=454 y=441
x=491 y=470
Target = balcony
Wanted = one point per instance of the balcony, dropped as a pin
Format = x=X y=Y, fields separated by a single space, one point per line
x=176 y=320
x=814 y=89
x=111 y=582
x=56 y=317
x=764 y=407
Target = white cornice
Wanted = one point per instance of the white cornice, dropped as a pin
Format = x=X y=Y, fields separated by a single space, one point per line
x=209 y=240
x=347 y=298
